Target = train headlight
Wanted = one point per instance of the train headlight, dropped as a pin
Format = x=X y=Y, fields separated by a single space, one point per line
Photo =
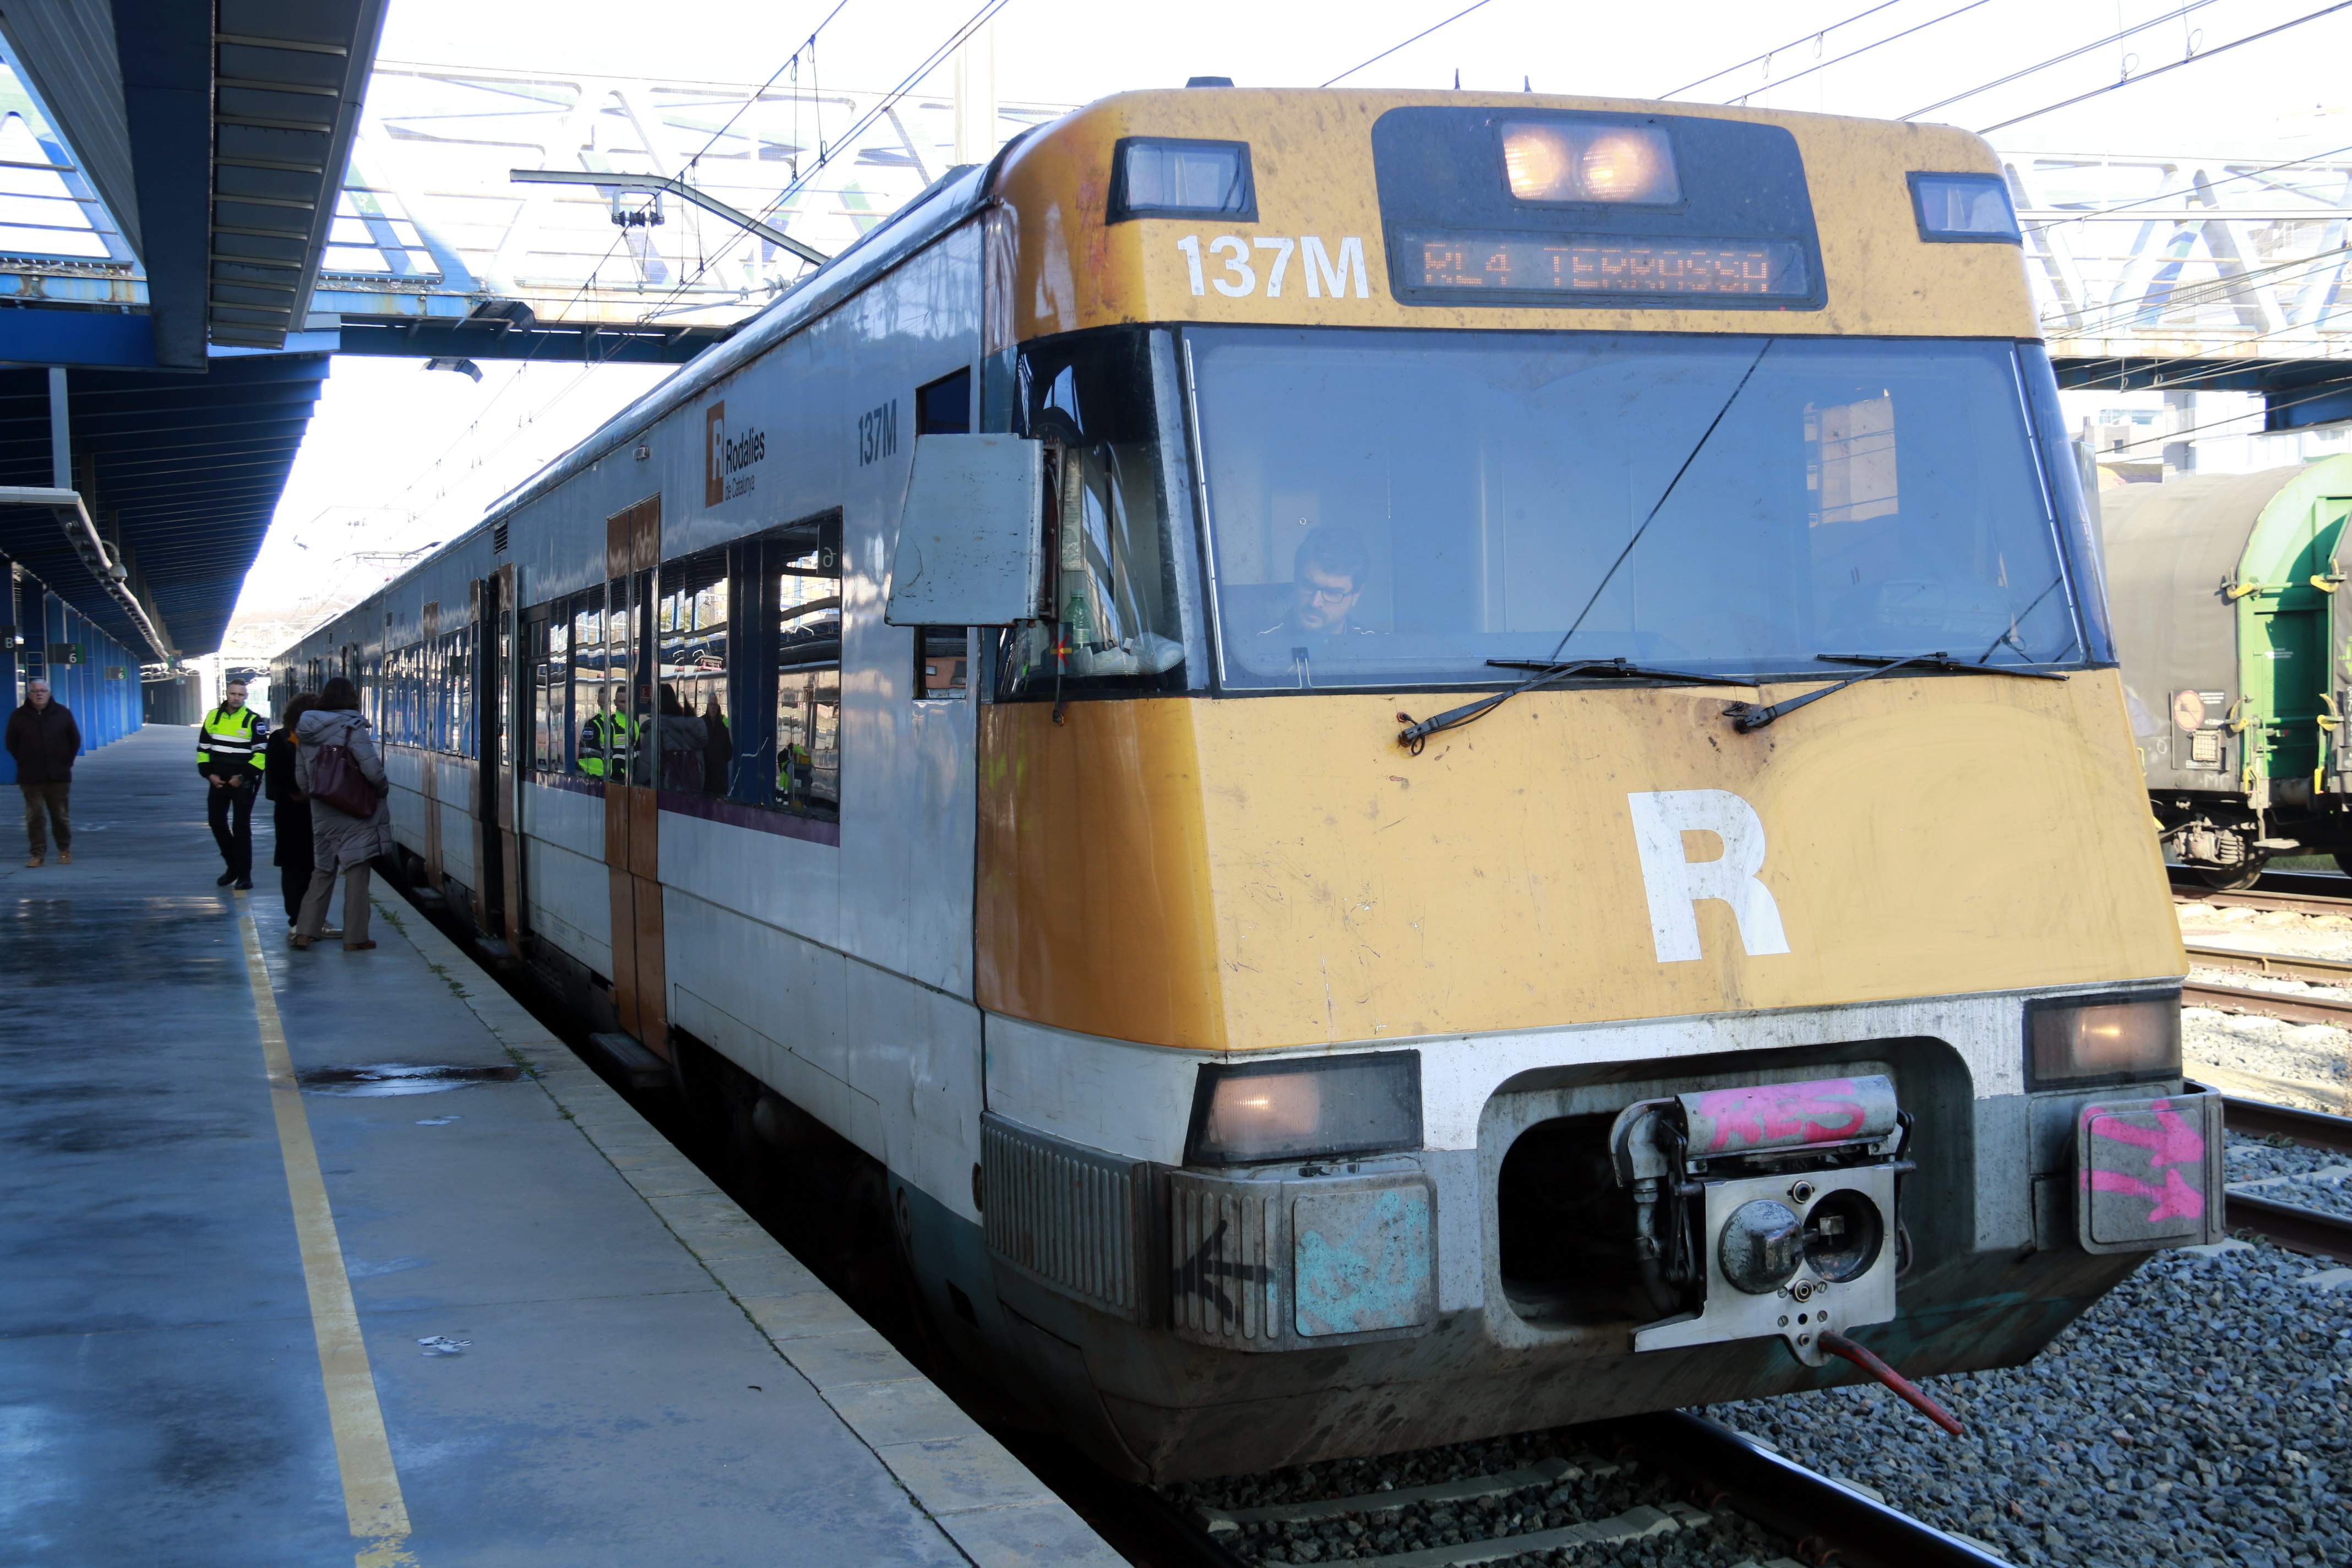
x=1297 y=1109
x=2109 y=1040
x=1583 y=160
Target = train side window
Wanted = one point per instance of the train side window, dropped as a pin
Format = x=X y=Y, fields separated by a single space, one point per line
x=943 y=408
x=942 y=658
x=550 y=642
x=692 y=736
x=800 y=758
x=590 y=717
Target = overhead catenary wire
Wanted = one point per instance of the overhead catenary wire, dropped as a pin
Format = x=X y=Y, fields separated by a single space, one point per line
x=907 y=84
x=1766 y=56
x=1434 y=27
x=2058 y=59
x=1850 y=54
x=594 y=359
x=2222 y=213
x=2195 y=293
x=2324 y=389
x=2162 y=69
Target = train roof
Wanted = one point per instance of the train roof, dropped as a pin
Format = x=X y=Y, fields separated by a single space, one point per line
x=948 y=201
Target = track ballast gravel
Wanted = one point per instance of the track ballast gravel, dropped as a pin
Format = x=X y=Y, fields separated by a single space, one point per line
x=2201 y=1414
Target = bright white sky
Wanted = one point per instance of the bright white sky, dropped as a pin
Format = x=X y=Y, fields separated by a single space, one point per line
x=397 y=456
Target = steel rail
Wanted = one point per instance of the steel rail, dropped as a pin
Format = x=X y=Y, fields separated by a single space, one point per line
x=1822 y=1516
x=2282 y=965
x=2268 y=1004
x=2254 y=899
x=2291 y=1226
x=2296 y=892
x=2313 y=1129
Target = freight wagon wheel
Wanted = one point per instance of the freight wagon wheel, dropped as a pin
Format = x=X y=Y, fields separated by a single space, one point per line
x=2232 y=879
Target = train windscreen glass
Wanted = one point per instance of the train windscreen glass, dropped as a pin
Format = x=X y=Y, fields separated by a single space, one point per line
x=1394 y=508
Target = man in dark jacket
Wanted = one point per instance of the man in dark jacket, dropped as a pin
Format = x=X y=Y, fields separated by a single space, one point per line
x=45 y=741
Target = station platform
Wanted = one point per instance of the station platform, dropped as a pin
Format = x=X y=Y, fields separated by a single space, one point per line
x=326 y=1256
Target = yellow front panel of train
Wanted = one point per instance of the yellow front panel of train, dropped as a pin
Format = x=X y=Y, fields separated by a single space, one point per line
x=1277 y=872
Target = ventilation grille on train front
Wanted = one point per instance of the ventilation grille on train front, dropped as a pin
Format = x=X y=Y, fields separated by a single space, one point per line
x=1074 y=1218
x=498 y=538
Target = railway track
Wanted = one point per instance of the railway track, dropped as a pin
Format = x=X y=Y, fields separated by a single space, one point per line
x=2291 y=1225
x=1511 y=1515
x=2293 y=892
x=2287 y=1005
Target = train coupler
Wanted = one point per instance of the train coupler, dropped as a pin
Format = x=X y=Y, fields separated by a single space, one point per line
x=1769 y=1210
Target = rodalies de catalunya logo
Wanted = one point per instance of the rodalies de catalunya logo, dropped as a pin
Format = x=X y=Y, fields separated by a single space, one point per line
x=725 y=456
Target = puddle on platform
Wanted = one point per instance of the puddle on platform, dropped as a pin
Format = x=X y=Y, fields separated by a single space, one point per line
x=382 y=1080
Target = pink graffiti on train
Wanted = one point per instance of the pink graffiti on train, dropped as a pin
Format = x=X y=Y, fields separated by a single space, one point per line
x=1816 y=1112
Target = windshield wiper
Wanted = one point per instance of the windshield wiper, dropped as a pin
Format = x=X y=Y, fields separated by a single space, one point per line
x=1747 y=716
x=1416 y=734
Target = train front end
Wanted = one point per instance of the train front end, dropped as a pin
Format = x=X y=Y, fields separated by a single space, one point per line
x=1571 y=828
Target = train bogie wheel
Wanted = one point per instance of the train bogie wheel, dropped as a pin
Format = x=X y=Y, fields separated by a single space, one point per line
x=2230 y=878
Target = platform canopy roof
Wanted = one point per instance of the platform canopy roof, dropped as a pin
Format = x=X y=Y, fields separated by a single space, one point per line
x=147 y=425
x=215 y=135
x=178 y=475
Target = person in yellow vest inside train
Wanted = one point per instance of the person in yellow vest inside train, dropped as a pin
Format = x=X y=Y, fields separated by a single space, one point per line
x=602 y=739
x=229 y=758
x=795 y=772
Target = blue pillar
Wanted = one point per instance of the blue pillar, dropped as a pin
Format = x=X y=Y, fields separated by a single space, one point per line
x=10 y=686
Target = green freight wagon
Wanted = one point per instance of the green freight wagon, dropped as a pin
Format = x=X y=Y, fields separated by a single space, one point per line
x=2235 y=635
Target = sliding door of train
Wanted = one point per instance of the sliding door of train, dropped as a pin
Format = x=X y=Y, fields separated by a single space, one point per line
x=632 y=837
x=2330 y=514
x=497 y=846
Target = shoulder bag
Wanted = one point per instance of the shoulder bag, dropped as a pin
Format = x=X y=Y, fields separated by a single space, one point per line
x=335 y=778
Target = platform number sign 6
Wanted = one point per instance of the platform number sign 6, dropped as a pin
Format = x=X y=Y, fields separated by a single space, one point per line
x=1233 y=264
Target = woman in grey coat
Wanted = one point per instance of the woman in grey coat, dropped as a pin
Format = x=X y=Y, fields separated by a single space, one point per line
x=340 y=843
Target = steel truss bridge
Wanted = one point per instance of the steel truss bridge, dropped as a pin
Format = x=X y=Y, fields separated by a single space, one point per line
x=437 y=251
x=2150 y=270
x=2211 y=273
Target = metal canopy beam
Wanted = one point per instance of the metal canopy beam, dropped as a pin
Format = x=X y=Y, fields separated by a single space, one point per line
x=163 y=49
x=403 y=338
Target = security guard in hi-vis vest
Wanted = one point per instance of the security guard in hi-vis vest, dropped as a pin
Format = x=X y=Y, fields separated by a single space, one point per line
x=229 y=756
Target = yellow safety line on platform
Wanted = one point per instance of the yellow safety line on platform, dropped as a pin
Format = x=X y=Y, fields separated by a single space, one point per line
x=371 y=1499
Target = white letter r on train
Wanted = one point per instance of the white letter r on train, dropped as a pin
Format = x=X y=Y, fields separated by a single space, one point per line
x=1675 y=884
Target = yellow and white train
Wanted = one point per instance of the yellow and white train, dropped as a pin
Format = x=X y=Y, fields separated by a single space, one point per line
x=1399 y=767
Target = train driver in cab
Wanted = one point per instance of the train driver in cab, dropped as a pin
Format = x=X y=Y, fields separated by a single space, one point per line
x=1326 y=579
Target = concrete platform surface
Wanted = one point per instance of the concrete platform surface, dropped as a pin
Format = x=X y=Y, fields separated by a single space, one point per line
x=263 y=1302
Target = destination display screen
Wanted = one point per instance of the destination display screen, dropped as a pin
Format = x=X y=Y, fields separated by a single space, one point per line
x=1605 y=265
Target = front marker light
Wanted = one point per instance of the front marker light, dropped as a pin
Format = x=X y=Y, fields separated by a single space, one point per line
x=1299 y=1109
x=1167 y=176
x=2105 y=1040
x=1958 y=208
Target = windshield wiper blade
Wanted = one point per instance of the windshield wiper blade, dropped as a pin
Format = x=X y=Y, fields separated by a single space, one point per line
x=1416 y=734
x=1747 y=716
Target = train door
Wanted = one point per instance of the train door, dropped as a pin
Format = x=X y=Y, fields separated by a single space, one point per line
x=632 y=837
x=2286 y=678
x=497 y=878
x=428 y=774
x=2330 y=513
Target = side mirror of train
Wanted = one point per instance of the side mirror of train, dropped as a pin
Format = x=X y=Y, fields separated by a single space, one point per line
x=972 y=540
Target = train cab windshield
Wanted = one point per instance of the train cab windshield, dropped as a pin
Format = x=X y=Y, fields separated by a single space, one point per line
x=1392 y=508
